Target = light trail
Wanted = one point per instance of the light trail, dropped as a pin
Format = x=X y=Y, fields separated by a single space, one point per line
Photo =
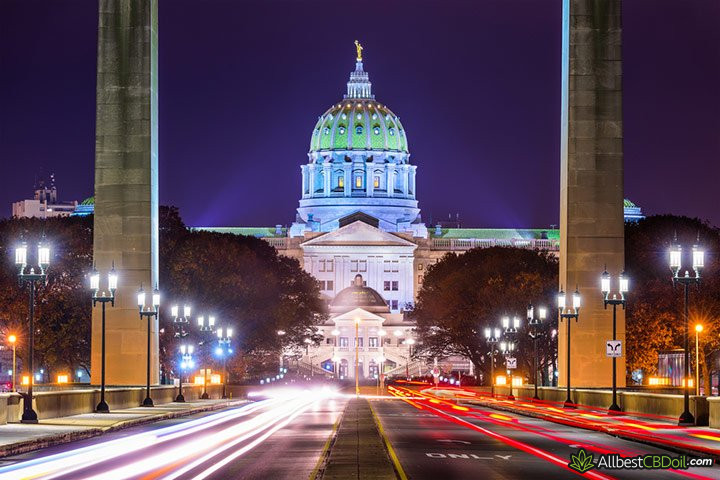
x=174 y=451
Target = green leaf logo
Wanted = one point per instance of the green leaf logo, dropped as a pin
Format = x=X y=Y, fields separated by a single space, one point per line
x=581 y=461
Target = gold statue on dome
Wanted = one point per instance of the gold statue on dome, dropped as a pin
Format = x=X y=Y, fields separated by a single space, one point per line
x=359 y=49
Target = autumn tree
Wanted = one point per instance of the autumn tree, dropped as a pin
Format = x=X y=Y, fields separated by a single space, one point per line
x=63 y=306
x=655 y=312
x=463 y=294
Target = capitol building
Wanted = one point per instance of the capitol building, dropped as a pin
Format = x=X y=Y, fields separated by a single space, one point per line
x=359 y=231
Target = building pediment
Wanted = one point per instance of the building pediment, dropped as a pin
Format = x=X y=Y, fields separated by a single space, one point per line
x=358 y=233
x=355 y=313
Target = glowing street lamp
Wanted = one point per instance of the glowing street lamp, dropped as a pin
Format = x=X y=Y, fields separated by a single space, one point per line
x=568 y=313
x=148 y=312
x=103 y=297
x=623 y=287
x=181 y=321
x=698 y=329
x=224 y=337
x=186 y=362
x=535 y=324
x=13 y=340
x=698 y=262
x=492 y=335
x=206 y=327
x=31 y=278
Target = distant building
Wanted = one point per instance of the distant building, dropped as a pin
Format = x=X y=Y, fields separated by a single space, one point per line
x=45 y=204
x=633 y=213
x=86 y=207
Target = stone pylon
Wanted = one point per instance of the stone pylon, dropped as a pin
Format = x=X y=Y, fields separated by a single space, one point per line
x=591 y=183
x=126 y=183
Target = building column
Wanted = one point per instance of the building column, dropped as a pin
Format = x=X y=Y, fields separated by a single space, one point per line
x=413 y=171
x=327 y=178
x=311 y=190
x=369 y=185
x=391 y=179
x=303 y=169
x=347 y=175
x=405 y=179
x=126 y=184
x=591 y=183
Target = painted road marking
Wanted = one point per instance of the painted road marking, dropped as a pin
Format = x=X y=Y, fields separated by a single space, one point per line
x=453 y=441
x=466 y=456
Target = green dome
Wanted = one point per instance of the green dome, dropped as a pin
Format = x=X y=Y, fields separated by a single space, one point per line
x=358 y=122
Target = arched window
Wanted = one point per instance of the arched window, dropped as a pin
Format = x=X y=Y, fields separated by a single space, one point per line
x=358 y=129
x=376 y=181
x=342 y=130
x=358 y=181
x=341 y=182
x=391 y=131
x=327 y=131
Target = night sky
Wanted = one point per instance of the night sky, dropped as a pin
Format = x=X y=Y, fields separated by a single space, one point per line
x=476 y=84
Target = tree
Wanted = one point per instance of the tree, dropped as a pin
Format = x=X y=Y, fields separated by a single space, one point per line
x=63 y=307
x=655 y=315
x=244 y=283
x=463 y=294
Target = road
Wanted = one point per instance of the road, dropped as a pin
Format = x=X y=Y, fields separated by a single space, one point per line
x=435 y=440
x=278 y=438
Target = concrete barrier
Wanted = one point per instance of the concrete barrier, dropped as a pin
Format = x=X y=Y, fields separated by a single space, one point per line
x=669 y=405
x=53 y=404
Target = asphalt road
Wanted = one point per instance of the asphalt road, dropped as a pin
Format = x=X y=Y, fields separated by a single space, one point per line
x=437 y=443
x=272 y=439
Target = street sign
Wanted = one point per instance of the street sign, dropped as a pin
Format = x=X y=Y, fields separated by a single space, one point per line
x=613 y=348
x=511 y=363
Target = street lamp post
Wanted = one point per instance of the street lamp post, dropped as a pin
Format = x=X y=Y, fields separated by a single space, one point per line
x=623 y=284
x=206 y=328
x=181 y=322
x=698 y=262
x=149 y=313
x=308 y=341
x=31 y=278
x=103 y=298
x=224 y=337
x=186 y=361
x=568 y=314
x=13 y=339
x=511 y=328
x=535 y=324
x=507 y=348
x=492 y=335
x=698 y=329
x=357 y=356
x=409 y=342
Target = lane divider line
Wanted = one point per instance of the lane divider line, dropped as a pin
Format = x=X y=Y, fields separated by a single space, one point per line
x=393 y=456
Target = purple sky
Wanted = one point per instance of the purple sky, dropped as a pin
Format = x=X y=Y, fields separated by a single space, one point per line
x=476 y=84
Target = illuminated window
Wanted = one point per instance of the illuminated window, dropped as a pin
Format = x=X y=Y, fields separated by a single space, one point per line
x=358 y=182
x=342 y=130
x=376 y=130
x=376 y=182
x=327 y=131
x=341 y=182
x=358 y=129
x=391 y=131
x=420 y=279
x=420 y=266
x=344 y=341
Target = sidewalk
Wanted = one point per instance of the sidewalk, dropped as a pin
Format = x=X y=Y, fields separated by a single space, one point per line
x=19 y=437
x=662 y=432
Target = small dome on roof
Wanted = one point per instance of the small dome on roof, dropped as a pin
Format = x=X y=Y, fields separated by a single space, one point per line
x=359 y=296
